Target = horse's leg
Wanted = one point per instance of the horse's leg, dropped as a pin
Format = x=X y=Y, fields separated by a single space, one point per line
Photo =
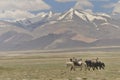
x=67 y=66
x=93 y=68
x=80 y=67
x=97 y=67
x=74 y=68
x=71 y=68
x=88 y=68
x=102 y=67
x=85 y=67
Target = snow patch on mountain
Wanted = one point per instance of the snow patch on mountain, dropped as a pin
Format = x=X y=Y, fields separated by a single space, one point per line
x=50 y=14
x=115 y=26
x=92 y=17
x=80 y=15
x=104 y=15
x=53 y=22
x=97 y=28
x=7 y=40
x=70 y=13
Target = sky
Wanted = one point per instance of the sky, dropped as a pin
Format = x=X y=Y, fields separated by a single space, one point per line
x=19 y=9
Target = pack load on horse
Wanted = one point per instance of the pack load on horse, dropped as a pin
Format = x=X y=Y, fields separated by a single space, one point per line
x=93 y=64
x=75 y=63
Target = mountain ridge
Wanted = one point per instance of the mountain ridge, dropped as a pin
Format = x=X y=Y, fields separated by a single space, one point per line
x=71 y=29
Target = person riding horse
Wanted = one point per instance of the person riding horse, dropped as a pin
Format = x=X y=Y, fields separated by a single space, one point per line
x=76 y=61
x=94 y=64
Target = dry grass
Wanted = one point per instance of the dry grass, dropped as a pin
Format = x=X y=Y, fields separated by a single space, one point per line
x=51 y=66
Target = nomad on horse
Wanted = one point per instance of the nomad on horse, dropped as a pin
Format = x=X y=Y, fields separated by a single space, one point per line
x=94 y=64
x=74 y=63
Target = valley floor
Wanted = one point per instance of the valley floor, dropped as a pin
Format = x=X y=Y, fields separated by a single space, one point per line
x=35 y=65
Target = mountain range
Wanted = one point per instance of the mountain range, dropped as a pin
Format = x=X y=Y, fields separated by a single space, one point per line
x=71 y=29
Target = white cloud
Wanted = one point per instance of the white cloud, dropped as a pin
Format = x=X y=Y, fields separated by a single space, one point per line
x=82 y=0
x=19 y=9
x=117 y=7
x=30 y=5
x=66 y=0
x=110 y=5
x=16 y=15
x=80 y=4
x=114 y=6
x=84 y=4
x=89 y=11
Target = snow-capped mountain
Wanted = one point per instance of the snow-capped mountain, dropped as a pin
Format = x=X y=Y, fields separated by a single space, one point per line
x=82 y=15
x=71 y=29
x=39 y=20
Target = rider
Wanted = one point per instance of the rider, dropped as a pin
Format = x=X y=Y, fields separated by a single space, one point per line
x=97 y=59
x=77 y=62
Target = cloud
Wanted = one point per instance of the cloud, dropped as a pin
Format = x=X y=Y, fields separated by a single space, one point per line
x=30 y=5
x=89 y=11
x=15 y=15
x=65 y=0
x=100 y=0
x=114 y=6
x=82 y=0
x=80 y=4
x=84 y=4
x=117 y=7
x=19 y=9
x=108 y=6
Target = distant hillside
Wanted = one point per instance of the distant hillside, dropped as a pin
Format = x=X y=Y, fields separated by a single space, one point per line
x=71 y=29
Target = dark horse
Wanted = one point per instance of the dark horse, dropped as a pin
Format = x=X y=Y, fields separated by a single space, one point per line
x=100 y=65
x=94 y=65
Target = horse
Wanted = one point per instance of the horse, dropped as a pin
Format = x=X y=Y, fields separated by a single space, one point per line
x=75 y=65
x=70 y=64
x=89 y=64
x=100 y=65
x=94 y=65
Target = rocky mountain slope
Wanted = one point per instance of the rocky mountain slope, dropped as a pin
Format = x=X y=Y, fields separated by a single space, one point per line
x=71 y=29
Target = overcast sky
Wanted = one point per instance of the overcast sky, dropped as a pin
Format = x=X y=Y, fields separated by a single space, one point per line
x=19 y=9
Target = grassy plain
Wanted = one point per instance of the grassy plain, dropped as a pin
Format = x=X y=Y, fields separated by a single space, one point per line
x=35 y=65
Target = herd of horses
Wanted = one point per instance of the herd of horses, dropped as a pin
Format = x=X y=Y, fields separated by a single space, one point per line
x=93 y=64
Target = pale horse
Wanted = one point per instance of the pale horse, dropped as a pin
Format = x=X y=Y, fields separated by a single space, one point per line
x=76 y=64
